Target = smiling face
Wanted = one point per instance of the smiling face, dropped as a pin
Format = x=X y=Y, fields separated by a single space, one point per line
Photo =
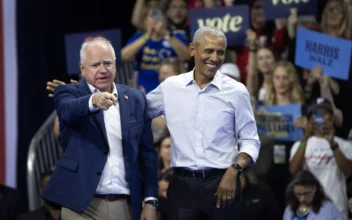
x=209 y=55
x=99 y=66
x=334 y=14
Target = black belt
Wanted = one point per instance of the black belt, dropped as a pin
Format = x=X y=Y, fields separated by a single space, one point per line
x=198 y=174
x=112 y=197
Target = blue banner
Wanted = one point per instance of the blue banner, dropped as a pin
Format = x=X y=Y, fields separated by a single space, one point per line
x=73 y=43
x=276 y=121
x=331 y=53
x=233 y=21
x=282 y=8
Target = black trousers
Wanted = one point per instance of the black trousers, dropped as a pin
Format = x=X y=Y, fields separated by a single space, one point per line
x=194 y=199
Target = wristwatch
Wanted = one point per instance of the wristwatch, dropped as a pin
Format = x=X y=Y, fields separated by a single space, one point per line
x=238 y=168
x=152 y=202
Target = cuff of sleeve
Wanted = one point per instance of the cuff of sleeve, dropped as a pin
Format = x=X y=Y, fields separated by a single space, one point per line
x=90 y=104
x=252 y=149
x=150 y=198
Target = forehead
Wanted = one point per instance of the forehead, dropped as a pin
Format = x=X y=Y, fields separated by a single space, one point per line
x=212 y=41
x=300 y=188
x=264 y=52
x=333 y=4
x=178 y=2
x=98 y=51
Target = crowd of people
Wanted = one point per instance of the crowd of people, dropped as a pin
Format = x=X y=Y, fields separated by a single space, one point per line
x=313 y=181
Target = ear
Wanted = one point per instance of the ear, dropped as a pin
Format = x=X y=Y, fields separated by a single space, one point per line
x=81 y=66
x=192 y=49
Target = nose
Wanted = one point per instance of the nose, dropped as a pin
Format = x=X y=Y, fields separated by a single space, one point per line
x=214 y=57
x=102 y=68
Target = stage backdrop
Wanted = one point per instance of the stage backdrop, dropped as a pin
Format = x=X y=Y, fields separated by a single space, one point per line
x=8 y=93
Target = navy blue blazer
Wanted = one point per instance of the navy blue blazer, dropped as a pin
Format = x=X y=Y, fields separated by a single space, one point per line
x=85 y=145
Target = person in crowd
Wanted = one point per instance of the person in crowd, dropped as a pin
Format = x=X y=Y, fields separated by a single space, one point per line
x=261 y=63
x=11 y=203
x=231 y=70
x=164 y=155
x=257 y=202
x=269 y=34
x=151 y=47
x=283 y=89
x=207 y=113
x=334 y=22
x=327 y=156
x=46 y=212
x=164 y=181
x=107 y=142
x=306 y=200
x=176 y=12
x=169 y=67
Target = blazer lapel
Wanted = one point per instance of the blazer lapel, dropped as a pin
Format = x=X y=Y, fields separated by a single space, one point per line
x=97 y=117
x=124 y=104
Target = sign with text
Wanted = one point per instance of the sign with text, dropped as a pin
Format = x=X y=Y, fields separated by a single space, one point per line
x=331 y=53
x=276 y=121
x=233 y=21
x=73 y=43
x=282 y=8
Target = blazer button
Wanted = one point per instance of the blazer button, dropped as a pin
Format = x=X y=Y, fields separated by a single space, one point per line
x=98 y=173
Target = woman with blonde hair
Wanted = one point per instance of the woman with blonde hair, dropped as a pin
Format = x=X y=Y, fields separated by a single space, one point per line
x=284 y=87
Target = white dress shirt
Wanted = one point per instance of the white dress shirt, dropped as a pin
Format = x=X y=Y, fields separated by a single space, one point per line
x=206 y=125
x=113 y=178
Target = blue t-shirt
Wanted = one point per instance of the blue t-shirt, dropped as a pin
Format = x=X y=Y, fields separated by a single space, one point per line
x=150 y=56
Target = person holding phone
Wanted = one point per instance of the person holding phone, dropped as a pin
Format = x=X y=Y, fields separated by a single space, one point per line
x=327 y=156
x=151 y=47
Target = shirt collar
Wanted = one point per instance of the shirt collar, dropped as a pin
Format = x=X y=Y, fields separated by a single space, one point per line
x=216 y=80
x=95 y=90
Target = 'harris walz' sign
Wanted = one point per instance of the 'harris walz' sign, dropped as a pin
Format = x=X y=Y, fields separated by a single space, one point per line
x=277 y=122
x=331 y=53
x=282 y=8
x=233 y=21
x=73 y=43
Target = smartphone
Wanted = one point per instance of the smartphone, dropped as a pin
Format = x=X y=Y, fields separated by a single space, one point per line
x=319 y=119
x=156 y=14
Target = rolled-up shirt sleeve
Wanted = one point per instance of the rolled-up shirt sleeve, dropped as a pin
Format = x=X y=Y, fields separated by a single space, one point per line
x=246 y=128
x=156 y=101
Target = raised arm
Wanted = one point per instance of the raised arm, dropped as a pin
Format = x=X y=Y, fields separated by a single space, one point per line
x=136 y=19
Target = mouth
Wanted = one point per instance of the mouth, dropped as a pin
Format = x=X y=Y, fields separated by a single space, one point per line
x=103 y=78
x=212 y=66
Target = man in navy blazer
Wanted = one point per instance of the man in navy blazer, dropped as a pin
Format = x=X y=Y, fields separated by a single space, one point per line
x=109 y=165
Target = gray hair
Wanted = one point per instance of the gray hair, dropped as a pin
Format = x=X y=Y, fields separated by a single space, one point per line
x=208 y=30
x=91 y=40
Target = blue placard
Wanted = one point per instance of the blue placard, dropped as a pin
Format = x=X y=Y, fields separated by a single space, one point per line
x=282 y=8
x=331 y=53
x=73 y=43
x=277 y=121
x=233 y=21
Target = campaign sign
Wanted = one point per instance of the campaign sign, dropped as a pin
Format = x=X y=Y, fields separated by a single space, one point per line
x=73 y=43
x=316 y=49
x=233 y=21
x=275 y=9
x=276 y=121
